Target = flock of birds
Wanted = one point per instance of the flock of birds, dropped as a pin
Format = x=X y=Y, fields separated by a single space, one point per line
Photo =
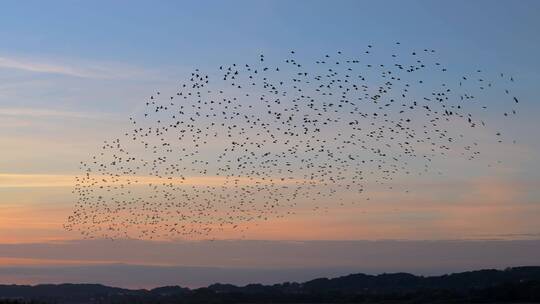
x=247 y=143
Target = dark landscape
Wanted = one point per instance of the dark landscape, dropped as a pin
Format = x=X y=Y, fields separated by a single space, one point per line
x=512 y=285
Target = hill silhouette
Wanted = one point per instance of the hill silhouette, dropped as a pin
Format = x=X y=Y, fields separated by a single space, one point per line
x=519 y=284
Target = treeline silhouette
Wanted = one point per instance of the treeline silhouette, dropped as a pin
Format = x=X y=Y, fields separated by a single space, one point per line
x=520 y=284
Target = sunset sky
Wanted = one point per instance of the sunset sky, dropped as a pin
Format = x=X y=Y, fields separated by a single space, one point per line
x=72 y=72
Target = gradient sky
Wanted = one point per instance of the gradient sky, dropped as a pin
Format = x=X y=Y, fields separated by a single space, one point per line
x=71 y=72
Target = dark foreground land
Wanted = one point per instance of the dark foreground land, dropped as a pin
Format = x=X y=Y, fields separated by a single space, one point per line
x=513 y=285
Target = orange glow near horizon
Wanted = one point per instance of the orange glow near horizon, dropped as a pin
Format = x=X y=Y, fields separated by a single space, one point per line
x=487 y=208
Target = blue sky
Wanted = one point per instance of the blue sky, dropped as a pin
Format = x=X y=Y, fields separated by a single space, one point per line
x=152 y=43
x=165 y=33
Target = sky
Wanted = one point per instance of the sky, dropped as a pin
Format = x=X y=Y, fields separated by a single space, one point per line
x=71 y=72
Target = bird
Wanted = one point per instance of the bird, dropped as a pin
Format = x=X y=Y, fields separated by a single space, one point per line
x=259 y=140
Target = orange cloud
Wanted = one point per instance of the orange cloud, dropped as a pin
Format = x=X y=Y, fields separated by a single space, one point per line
x=482 y=207
x=51 y=180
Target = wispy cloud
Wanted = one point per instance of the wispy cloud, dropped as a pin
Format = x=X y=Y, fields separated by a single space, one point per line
x=45 y=113
x=83 y=70
x=52 y=180
x=240 y=262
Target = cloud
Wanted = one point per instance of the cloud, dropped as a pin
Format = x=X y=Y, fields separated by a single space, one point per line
x=45 y=113
x=199 y=263
x=88 y=70
x=486 y=208
x=8 y=180
x=35 y=180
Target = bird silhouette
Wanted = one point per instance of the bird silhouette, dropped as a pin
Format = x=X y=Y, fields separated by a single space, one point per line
x=247 y=143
